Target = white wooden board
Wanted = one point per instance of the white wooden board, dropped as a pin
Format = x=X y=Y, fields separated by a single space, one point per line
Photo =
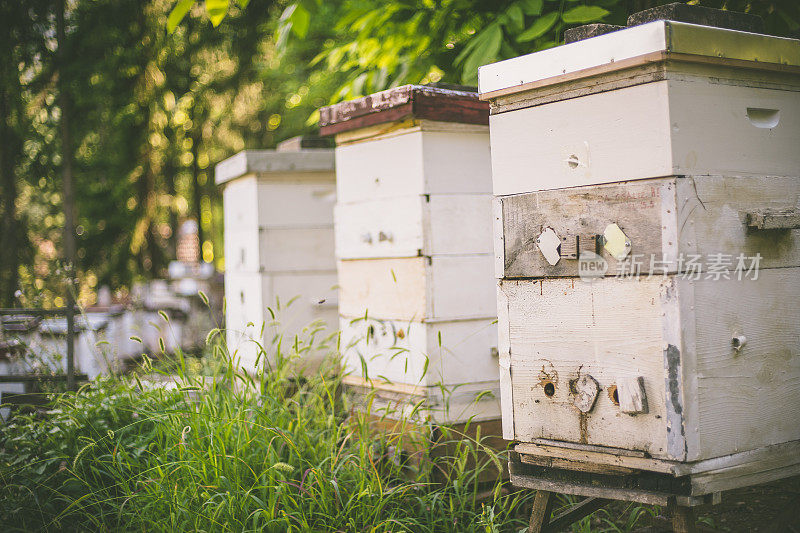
x=760 y=129
x=644 y=131
x=427 y=158
x=243 y=305
x=668 y=221
x=240 y=205
x=619 y=47
x=749 y=398
x=295 y=202
x=313 y=161
x=296 y=299
x=407 y=226
x=242 y=250
x=418 y=288
x=606 y=137
x=297 y=249
x=705 y=398
x=409 y=352
x=562 y=328
x=390 y=227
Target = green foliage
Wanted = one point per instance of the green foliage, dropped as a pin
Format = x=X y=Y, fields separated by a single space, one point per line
x=153 y=112
x=421 y=41
x=239 y=452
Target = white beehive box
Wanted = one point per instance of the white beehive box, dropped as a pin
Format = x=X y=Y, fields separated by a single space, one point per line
x=279 y=244
x=414 y=244
x=649 y=148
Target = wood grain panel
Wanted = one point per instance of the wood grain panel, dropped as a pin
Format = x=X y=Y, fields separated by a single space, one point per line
x=751 y=397
x=668 y=220
x=560 y=328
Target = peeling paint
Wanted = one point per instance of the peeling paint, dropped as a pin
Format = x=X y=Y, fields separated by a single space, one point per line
x=676 y=433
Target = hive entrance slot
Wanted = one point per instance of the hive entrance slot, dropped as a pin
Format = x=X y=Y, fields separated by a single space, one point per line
x=763 y=118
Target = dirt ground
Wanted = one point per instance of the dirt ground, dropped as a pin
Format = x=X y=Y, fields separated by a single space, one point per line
x=769 y=508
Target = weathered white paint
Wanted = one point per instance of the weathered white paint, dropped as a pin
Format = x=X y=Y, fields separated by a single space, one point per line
x=410 y=352
x=418 y=288
x=664 y=219
x=750 y=397
x=676 y=334
x=628 y=44
x=504 y=363
x=561 y=329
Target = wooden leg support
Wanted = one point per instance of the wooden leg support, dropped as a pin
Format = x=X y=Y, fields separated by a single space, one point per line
x=683 y=520
x=540 y=515
x=542 y=507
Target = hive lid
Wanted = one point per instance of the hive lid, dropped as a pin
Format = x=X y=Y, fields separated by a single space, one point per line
x=638 y=45
x=293 y=158
x=445 y=103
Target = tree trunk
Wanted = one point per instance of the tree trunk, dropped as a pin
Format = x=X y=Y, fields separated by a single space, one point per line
x=9 y=261
x=170 y=169
x=69 y=193
x=197 y=189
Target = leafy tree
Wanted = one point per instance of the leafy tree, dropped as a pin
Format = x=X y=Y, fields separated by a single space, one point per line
x=419 y=41
x=153 y=111
x=385 y=44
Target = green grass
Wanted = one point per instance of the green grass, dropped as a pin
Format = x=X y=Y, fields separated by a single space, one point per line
x=209 y=447
x=229 y=451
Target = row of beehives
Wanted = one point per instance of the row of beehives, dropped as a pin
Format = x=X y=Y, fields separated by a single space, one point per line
x=109 y=337
x=666 y=142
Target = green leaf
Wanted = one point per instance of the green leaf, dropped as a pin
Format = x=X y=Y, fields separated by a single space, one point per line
x=485 y=51
x=584 y=14
x=300 y=19
x=539 y=28
x=532 y=7
x=177 y=14
x=217 y=9
x=243 y=3
x=516 y=17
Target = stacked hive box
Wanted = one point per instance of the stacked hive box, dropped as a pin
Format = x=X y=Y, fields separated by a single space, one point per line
x=279 y=243
x=667 y=150
x=413 y=239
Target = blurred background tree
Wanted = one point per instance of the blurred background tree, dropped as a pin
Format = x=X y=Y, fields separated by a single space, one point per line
x=382 y=45
x=162 y=90
x=152 y=112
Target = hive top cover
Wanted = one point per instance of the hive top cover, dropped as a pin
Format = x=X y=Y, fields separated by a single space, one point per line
x=652 y=42
x=274 y=161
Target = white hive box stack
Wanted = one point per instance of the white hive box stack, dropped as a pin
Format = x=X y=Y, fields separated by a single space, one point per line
x=279 y=244
x=672 y=150
x=414 y=244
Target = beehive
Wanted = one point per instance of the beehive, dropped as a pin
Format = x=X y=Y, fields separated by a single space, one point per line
x=414 y=248
x=279 y=243
x=620 y=164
